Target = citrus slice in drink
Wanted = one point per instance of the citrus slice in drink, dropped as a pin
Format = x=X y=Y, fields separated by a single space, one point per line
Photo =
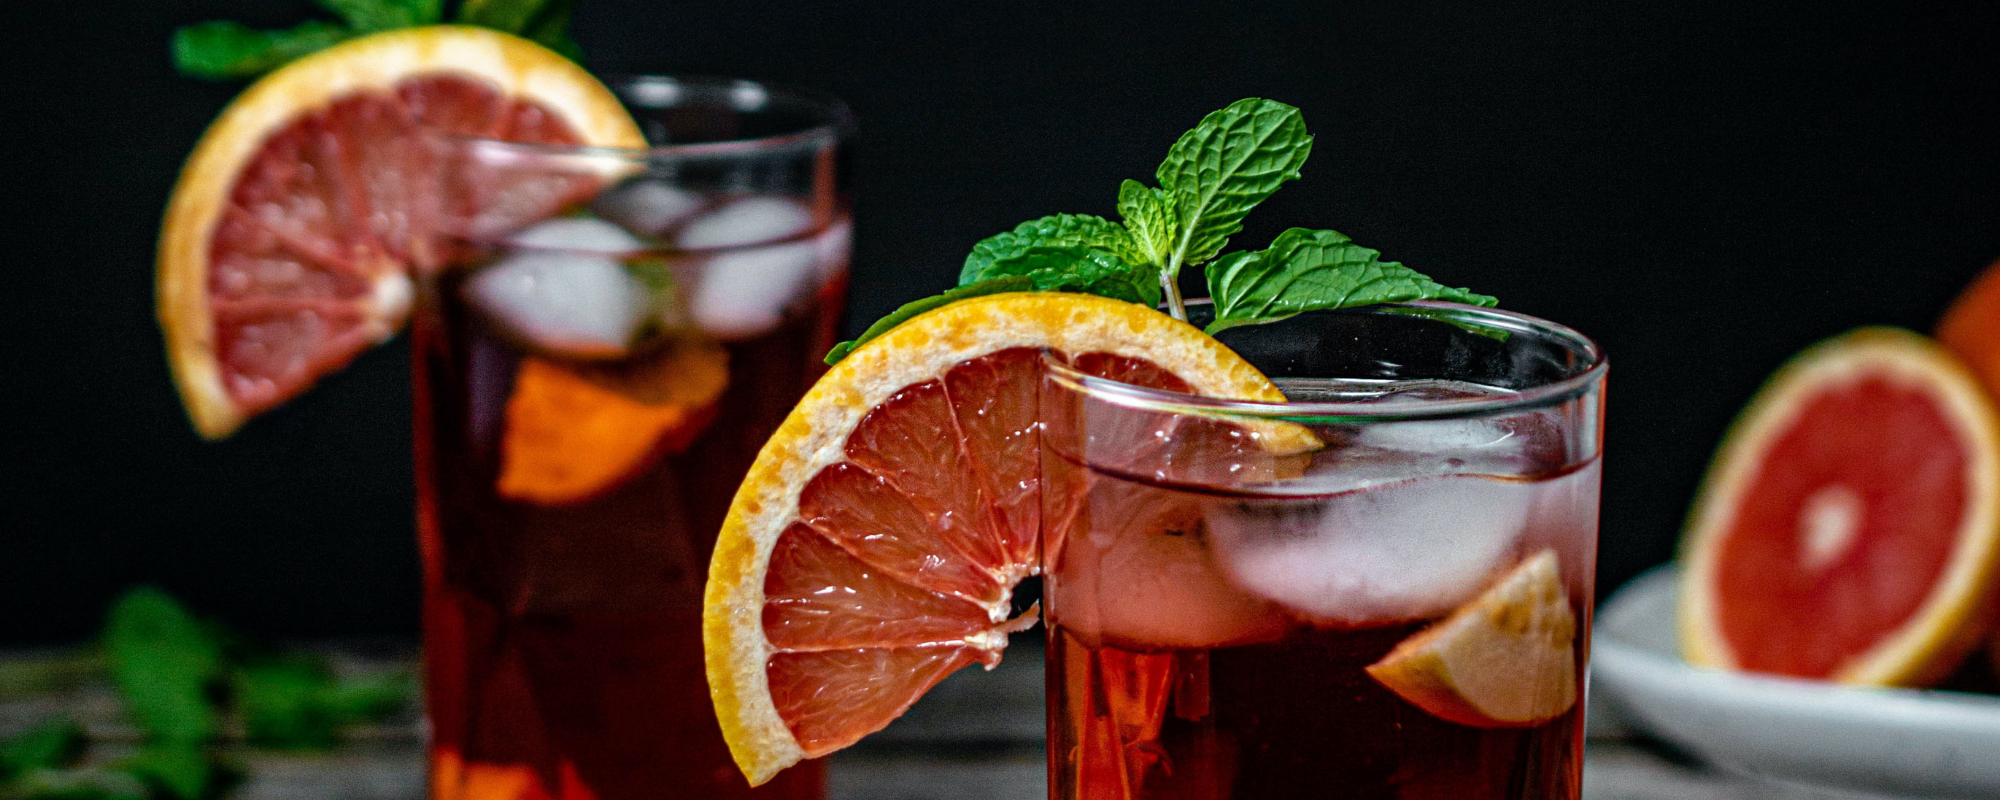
x=288 y=241
x=1850 y=524
x=1507 y=658
x=874 y=545
x=574 y=431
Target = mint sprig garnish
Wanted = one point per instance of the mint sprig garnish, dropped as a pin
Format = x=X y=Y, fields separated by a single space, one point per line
x=1014 y=283
x=1212 y=177
x=1307 y=270
x=229 y=50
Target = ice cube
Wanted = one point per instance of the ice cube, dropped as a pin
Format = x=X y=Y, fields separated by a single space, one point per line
x=1438 y=436
x=751 y=220
x=742 y=293
x=1135 y=570
x=648 y=206
x=571 y=303
x=1407 y=550
x=588 y=234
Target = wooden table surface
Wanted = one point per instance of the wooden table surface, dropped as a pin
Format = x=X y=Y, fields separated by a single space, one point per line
x=977 y=736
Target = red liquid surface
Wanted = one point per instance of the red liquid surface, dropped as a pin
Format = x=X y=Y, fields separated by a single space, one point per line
x=1278 y=705
x=563 y=641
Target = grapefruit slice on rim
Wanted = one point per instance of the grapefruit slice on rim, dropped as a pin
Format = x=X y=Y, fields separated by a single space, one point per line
x=1850 y=524
x=1507 y=658
x=286 y=246
x=873 y=547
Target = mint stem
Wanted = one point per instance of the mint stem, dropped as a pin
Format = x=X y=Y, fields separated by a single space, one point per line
x=1173 y=296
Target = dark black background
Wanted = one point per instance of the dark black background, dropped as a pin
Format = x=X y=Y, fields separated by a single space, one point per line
x=1706 y=189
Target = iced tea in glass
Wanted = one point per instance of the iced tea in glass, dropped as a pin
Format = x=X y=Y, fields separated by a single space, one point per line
x=610 y=339
x=1380 y=589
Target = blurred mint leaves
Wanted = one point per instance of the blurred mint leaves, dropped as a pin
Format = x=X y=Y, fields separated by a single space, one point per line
x=187 y=683
x=1212 y=177
x=223 y=50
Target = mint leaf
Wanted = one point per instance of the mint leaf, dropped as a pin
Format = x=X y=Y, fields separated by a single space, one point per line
x=51 y=743
x=84 y=783
x=227 y=50
x=1308 y=270
x=369 y=16
x=165 y=664
x=179 y=770
x=282 y=704
x=369 y=697
x=1078 y=268
x=1224 y=167
x=913 y=308
x=551 y=29
x=1149 y=216
x=1055 y=230
x=544 y=21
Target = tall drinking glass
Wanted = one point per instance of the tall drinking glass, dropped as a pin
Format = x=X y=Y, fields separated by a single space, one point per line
x=1380 y=589
x=612 y=338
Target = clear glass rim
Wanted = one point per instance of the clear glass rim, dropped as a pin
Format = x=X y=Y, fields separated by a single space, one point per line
x=836 y=121
x=1142 y=398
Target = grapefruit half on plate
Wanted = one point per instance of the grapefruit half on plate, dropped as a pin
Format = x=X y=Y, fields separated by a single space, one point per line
x=873 y=548
x=287 y=246
x=1849 y=527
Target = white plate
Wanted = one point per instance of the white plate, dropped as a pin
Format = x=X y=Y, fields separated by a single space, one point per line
x=1898 y=741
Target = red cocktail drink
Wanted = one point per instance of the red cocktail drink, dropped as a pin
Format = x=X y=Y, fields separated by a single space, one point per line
x=590 y=388
x=1379 y=590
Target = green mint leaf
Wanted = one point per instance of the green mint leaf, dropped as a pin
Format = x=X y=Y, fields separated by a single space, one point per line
x=180 y=770
x=86 y=783
x=1149 y=216
x=1224 y=167
x=369 y=16
x=911 y=309
x=1055 y=230
x=48 y=744
x=1308 y=270
x=512 y=16
x=165 y=664
x=229 y=50
x=551 y=29
x=282 y=702
x=1080 y=268
x=369 y=697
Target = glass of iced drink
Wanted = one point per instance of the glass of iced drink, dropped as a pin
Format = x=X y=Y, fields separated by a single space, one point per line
x=1380 y=589
x=608 y=342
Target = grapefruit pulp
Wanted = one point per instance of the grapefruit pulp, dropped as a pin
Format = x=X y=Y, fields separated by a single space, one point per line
x=1849 y=527
x=873 y=547
x=287 y=244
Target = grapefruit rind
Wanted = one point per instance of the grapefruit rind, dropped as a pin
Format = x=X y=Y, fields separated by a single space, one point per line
x=1505 y=659
x=1952 y=618
x=813 y=436
x=516 y=66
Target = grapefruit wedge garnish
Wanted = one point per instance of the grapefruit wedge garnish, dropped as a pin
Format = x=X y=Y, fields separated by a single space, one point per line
x=286 y=247
x=1507 y=658
x=1850 y=525
x=873 y=547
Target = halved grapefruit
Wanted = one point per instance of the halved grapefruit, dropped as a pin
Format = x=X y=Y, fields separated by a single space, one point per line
x=1849 y=528
x=1971 y=328
x=874 y=545
x=286 y=247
